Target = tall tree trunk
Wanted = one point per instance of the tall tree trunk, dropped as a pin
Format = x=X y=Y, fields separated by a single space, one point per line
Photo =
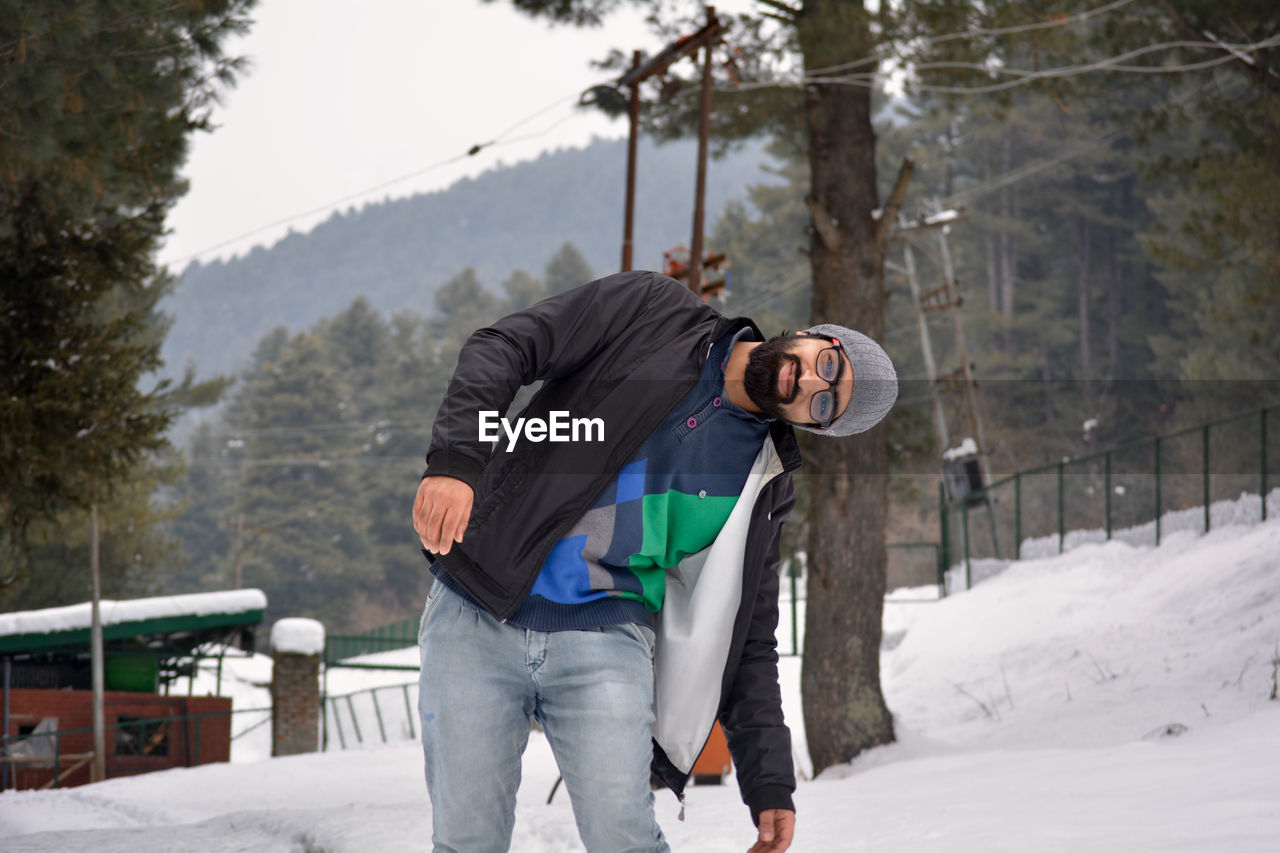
x=1082 y=299
x=844 y=709
x=1008 y=240
x=989 y=241
x=1113 y=305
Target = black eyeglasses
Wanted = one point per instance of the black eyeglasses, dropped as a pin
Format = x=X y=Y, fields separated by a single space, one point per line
x=822 y=405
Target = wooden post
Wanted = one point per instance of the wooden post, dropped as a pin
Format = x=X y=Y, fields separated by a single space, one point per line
x=971 y=401
x=98 y=769
x=926 y=347
x=633 y=134
x=239 y=549
x=704 y=133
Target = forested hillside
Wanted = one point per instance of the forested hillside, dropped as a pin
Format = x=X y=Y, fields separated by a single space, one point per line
x=1112 y=241
x=396 y=253
x=312 y=464
x=302 y=485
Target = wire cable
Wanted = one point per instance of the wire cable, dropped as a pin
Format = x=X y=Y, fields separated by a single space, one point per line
x=870 y=80
x=497 y=141
x=981 y=31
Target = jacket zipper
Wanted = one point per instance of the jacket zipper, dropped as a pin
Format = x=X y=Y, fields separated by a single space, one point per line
x=595 y=493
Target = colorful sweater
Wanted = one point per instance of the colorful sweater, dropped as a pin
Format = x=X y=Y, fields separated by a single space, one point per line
x=669 y=501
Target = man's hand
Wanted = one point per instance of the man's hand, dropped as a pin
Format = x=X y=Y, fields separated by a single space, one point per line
x=441 y=512
x=776 y=828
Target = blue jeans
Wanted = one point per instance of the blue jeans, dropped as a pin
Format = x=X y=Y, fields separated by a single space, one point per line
x=592 y=692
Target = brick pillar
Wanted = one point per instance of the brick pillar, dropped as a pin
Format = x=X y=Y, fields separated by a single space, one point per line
x=296 y=648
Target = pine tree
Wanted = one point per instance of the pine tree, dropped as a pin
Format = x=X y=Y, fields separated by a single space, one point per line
x=566 y=270
x=136 y=546
x=97 y=100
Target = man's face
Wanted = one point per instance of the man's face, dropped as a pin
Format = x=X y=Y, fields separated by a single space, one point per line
x=782 y=377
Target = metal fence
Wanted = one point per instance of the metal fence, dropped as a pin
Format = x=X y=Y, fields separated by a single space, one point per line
x=1195 y=478
x=360 y=718
x=398 y=635
x=363 y=710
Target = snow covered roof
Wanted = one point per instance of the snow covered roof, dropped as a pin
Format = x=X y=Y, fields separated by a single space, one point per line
x=60 y=626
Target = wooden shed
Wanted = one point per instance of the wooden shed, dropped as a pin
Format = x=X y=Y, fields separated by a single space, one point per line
x=47 y=697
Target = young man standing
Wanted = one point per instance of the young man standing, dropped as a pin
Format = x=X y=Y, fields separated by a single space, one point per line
x=609 y=567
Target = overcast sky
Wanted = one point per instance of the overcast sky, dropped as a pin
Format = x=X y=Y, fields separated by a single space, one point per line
x=344 y=97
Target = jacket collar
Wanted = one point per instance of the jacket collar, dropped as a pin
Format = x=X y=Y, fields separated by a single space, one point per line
x=784 y=439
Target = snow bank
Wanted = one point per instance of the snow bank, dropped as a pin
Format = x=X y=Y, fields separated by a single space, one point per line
x=1032 y=714
x=1244 y=510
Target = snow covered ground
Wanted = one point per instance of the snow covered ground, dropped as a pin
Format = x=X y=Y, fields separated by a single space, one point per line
x=1113 y=698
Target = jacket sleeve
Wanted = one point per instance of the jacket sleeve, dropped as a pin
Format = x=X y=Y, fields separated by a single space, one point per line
x=758 y=737
x=548 y=340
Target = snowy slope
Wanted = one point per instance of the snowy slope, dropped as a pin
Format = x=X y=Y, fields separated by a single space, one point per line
x=1034 y=713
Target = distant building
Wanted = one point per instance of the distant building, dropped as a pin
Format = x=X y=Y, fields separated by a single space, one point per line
x=47 y=696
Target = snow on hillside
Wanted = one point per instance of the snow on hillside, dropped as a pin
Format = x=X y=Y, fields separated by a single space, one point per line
x=1115 y=697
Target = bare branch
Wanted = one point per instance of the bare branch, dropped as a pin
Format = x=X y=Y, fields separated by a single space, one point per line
x=826 y=227
x=786 y=13
x=784 y=20
x=890 y=214
x=1251 y=67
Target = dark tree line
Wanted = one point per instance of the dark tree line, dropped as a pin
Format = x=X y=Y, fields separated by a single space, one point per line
x=305 y=478
x=97 y=102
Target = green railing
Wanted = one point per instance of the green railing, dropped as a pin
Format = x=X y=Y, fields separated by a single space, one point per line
x=191 y=741
x=1137 y=492
x=340 y=648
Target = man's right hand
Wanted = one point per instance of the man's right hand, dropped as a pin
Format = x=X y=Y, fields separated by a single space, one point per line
x=441 y=512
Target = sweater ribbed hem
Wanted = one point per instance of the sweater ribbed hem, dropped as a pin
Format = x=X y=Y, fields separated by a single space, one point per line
x=541 y=614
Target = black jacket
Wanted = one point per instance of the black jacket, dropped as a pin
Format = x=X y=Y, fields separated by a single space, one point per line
x=626 y=348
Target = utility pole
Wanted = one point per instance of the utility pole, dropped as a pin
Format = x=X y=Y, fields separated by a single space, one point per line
x=971 y=399
x=98 y=770
x=239 y=547
x=633 y=134
x=242 y=546
x=947 y=297
x=686 y=46
x=700 y=188
x=926 y=346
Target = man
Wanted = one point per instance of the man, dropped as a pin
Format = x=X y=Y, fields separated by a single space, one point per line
x=556 y=559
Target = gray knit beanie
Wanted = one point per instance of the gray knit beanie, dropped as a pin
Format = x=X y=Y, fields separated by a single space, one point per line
x=875 y=382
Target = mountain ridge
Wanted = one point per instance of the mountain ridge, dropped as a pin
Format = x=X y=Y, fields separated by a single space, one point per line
x=396 y=253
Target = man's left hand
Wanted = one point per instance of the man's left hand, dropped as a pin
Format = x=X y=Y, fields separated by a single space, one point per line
x=775 y=830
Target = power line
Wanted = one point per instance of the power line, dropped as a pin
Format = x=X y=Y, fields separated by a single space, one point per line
x=984 y=31
x=377 y=426
x=497 y=141
x=871 y=79
x=300 y=462
x=1110 y=64
x=321 y=209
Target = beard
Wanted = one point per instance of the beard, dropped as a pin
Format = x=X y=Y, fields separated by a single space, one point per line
x=764 y=365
